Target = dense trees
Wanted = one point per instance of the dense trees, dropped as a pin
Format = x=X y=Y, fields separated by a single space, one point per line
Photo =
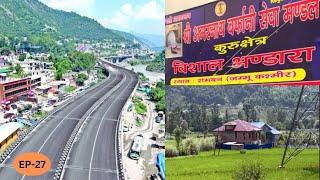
x=5 y=51
x=32 y=18
x=77 y=61
x=206 y=108
x=158 y=94
x=158 y=64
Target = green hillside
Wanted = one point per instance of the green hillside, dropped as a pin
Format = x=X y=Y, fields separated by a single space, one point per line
x=29 y=18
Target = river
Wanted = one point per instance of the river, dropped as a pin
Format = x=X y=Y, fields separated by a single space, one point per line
x=153 y=76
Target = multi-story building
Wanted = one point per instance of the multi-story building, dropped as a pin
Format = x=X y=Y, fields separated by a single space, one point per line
x=35 y=81
x=13 y=89
x=38 y=68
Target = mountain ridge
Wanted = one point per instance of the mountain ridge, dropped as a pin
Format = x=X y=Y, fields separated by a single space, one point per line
x=26 y=18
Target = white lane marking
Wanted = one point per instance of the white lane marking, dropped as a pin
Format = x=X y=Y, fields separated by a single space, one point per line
x=94 y=144
x=89 y=117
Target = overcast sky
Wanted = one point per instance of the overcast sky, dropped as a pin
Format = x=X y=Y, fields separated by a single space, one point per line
x=141 y=16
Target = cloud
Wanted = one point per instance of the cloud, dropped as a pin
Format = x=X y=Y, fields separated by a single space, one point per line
x=82 y=7
x=152 y=10
x=129 y=15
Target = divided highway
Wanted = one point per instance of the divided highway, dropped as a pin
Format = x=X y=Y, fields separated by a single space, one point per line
x=93 y=155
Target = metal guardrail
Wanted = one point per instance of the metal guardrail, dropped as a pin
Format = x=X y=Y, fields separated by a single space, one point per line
x=120 y=152
x=119 y=142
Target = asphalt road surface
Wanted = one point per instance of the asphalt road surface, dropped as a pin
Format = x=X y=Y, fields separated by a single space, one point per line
x=93 y=155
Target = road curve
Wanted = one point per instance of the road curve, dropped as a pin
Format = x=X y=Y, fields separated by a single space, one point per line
x=51 y=136
x=93 y=156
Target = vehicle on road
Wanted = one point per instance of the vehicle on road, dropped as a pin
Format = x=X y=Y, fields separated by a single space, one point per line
x=125 y=128
x=158 y=119
x=160 y=114
x=135 y=150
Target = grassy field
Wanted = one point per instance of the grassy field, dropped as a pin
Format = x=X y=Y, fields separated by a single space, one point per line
x=209 y=167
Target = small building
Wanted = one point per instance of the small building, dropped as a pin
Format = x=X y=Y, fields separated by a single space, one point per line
x=43 y=90
x=269 y=134
x=239 y=131
x=3 y=62
x=8 y=134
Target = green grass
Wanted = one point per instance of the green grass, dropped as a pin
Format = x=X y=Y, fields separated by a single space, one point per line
x=139 y=106
x=171 y=144
x=39 y=115
x=70 y=89
x=139 y=122
x=207 y=166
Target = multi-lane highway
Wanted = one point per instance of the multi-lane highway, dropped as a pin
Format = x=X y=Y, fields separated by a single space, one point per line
x=93 y=153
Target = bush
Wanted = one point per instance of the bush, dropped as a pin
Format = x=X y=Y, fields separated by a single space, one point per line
x=206 y=144
x=139 y=122
x=189 y=147
x=171 y=152
x=249 y=171
x=243 y=151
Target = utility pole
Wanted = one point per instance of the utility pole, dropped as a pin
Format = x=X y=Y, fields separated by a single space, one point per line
x=293 y=125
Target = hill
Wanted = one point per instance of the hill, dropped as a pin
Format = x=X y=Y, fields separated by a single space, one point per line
x=29 y=18
x=156 y=42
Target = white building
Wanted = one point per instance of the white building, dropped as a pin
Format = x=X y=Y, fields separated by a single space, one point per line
x=36 y=68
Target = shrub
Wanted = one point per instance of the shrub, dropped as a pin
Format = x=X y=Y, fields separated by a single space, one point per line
x=171 y=152
x=189 y=147
x=249 y=171
x=243 y=151
x=206 y=144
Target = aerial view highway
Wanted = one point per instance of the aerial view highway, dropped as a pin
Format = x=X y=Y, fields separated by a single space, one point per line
x=93 y=118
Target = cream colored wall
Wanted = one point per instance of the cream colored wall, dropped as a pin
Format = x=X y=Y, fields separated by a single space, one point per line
x=173 y=6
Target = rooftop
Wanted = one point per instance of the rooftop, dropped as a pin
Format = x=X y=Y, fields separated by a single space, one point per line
x=240 y=126
x=261 y=124
x=7 y=129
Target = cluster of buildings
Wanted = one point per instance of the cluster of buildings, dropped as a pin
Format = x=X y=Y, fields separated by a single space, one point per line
x=122 y=48
x=38 y=90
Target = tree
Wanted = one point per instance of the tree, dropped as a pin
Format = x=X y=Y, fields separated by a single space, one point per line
x=161 y=105
x=5 y=51
x=18 y=69
x=22 y=57
x=81 y=78
x=2 y=42
x=58 y=75
x=184 y=127
x=281 y=117
x=227 y=115
x=271 y=116
x=178 y=136
x=204 y=120
x=240 y=115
